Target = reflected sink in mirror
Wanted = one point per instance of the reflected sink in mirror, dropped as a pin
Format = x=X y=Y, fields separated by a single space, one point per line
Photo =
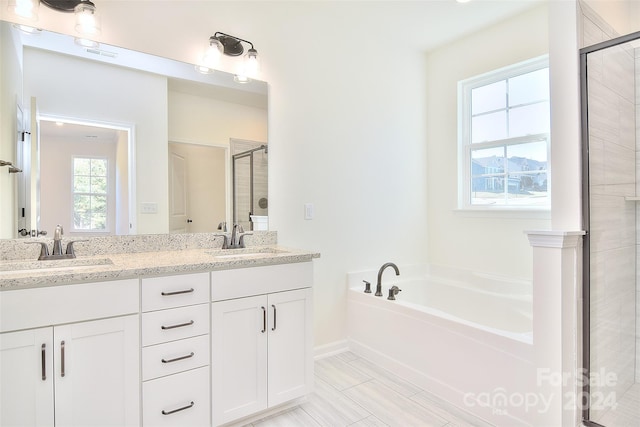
x=35 y=266
x=246 y=253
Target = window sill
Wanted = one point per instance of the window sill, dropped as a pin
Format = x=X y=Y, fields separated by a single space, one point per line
x=512 y=213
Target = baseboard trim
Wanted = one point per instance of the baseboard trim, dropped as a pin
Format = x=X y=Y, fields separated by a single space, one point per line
x=330 y=349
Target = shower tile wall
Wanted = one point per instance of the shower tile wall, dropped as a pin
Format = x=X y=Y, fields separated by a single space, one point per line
x=612 y=176
x=260 y=171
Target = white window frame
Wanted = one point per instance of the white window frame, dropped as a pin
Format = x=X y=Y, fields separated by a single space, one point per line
x=464 y=137
x=108 y=195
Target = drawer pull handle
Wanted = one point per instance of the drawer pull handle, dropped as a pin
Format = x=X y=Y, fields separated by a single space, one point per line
x=264 y=320
x=62 y=359
x=168 y=294
x=178 y=410
x=44 y=362
x=191 y=322
x=179 y=358
x=274 y=317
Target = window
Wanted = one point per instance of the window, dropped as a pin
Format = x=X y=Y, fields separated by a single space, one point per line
x=90 y=194
x=504 y=138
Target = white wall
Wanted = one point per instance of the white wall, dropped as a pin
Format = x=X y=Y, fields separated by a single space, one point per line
x=207 y=121
x=490 y=241
x=126 y=97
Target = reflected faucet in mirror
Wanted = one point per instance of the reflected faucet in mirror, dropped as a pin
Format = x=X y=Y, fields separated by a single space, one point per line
x=56 y=252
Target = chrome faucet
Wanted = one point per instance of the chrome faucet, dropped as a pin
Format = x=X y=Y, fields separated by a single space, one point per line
x=237 y=238
x=56 y=252
x=57 y=241
x=379 y=284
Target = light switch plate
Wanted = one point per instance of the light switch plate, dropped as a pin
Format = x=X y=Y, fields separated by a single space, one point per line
x=309 y=211
x=149 y=208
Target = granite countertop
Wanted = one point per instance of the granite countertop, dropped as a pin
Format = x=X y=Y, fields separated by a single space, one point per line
x=21 y=274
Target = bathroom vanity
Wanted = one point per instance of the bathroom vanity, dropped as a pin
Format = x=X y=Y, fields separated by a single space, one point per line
x=193 y=337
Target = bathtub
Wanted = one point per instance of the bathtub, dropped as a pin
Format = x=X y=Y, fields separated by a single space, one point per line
x=463 y=336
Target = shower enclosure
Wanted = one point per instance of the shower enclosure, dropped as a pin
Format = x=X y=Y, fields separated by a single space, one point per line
x=249 y=171
x=610 y=80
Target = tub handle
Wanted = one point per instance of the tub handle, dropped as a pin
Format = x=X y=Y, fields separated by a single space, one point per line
x=393 y=291
x=367 y=287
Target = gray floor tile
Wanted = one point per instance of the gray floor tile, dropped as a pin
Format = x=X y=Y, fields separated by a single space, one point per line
x=296 y=417
x=454 y=416
x=392 y=408
x=339 y=374
x=385 y=377
x=370 y=421
x=332 y=408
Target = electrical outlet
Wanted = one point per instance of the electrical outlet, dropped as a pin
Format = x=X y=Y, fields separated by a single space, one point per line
x=149 y=208
x=308 y=211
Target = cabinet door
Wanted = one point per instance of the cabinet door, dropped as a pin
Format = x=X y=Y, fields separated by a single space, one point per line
x=26 y=378
x=290 y=355
x=238 y=358
x=97 y=373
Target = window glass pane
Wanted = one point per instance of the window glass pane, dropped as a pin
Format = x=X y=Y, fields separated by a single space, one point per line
x=99 y=185
x=489 y=98
x=530 y=87
x=81 y=184
x=98 y=167
x=527 y=166
x=529 y=120
x=81 y=211
x=81 y=166
x=487 y=175
x=489 y=127
x=90 y=187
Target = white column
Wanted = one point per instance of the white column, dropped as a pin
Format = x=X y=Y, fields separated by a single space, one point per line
x=557 y=317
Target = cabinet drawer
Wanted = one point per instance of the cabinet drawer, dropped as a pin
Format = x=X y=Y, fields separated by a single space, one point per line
x=32 y=308
x=177 y=400
x=174 y=291
x=243 y=282
x=174 y=324
x=173 y=357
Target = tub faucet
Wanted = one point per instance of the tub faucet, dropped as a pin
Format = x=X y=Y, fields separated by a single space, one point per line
x=379 y=285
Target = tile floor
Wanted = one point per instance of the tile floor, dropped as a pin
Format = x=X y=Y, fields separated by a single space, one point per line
x=627 y=410
x=350 y=391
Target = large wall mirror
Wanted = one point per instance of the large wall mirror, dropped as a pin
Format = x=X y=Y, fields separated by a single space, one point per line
x=112 y=141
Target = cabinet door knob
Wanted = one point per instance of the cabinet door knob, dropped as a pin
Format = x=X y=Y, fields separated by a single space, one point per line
x=264 y=320
x=178 y=410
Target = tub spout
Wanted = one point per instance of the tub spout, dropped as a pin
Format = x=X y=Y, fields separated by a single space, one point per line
x=379 y=284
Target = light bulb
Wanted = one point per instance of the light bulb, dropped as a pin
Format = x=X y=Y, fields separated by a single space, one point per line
x=27 y=9
x=251 y=63
x=87 y=20
x=213 y=53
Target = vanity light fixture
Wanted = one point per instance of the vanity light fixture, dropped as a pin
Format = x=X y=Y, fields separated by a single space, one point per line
x=225 y=44
x=87 y=20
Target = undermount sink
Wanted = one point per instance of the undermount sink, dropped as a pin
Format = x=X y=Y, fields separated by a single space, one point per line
x=246 y=253
x=13 y=267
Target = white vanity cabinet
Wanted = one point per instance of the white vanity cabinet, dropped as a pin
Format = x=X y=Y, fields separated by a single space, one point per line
x=261 y=338
x=77 y=372
x=175 y=350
